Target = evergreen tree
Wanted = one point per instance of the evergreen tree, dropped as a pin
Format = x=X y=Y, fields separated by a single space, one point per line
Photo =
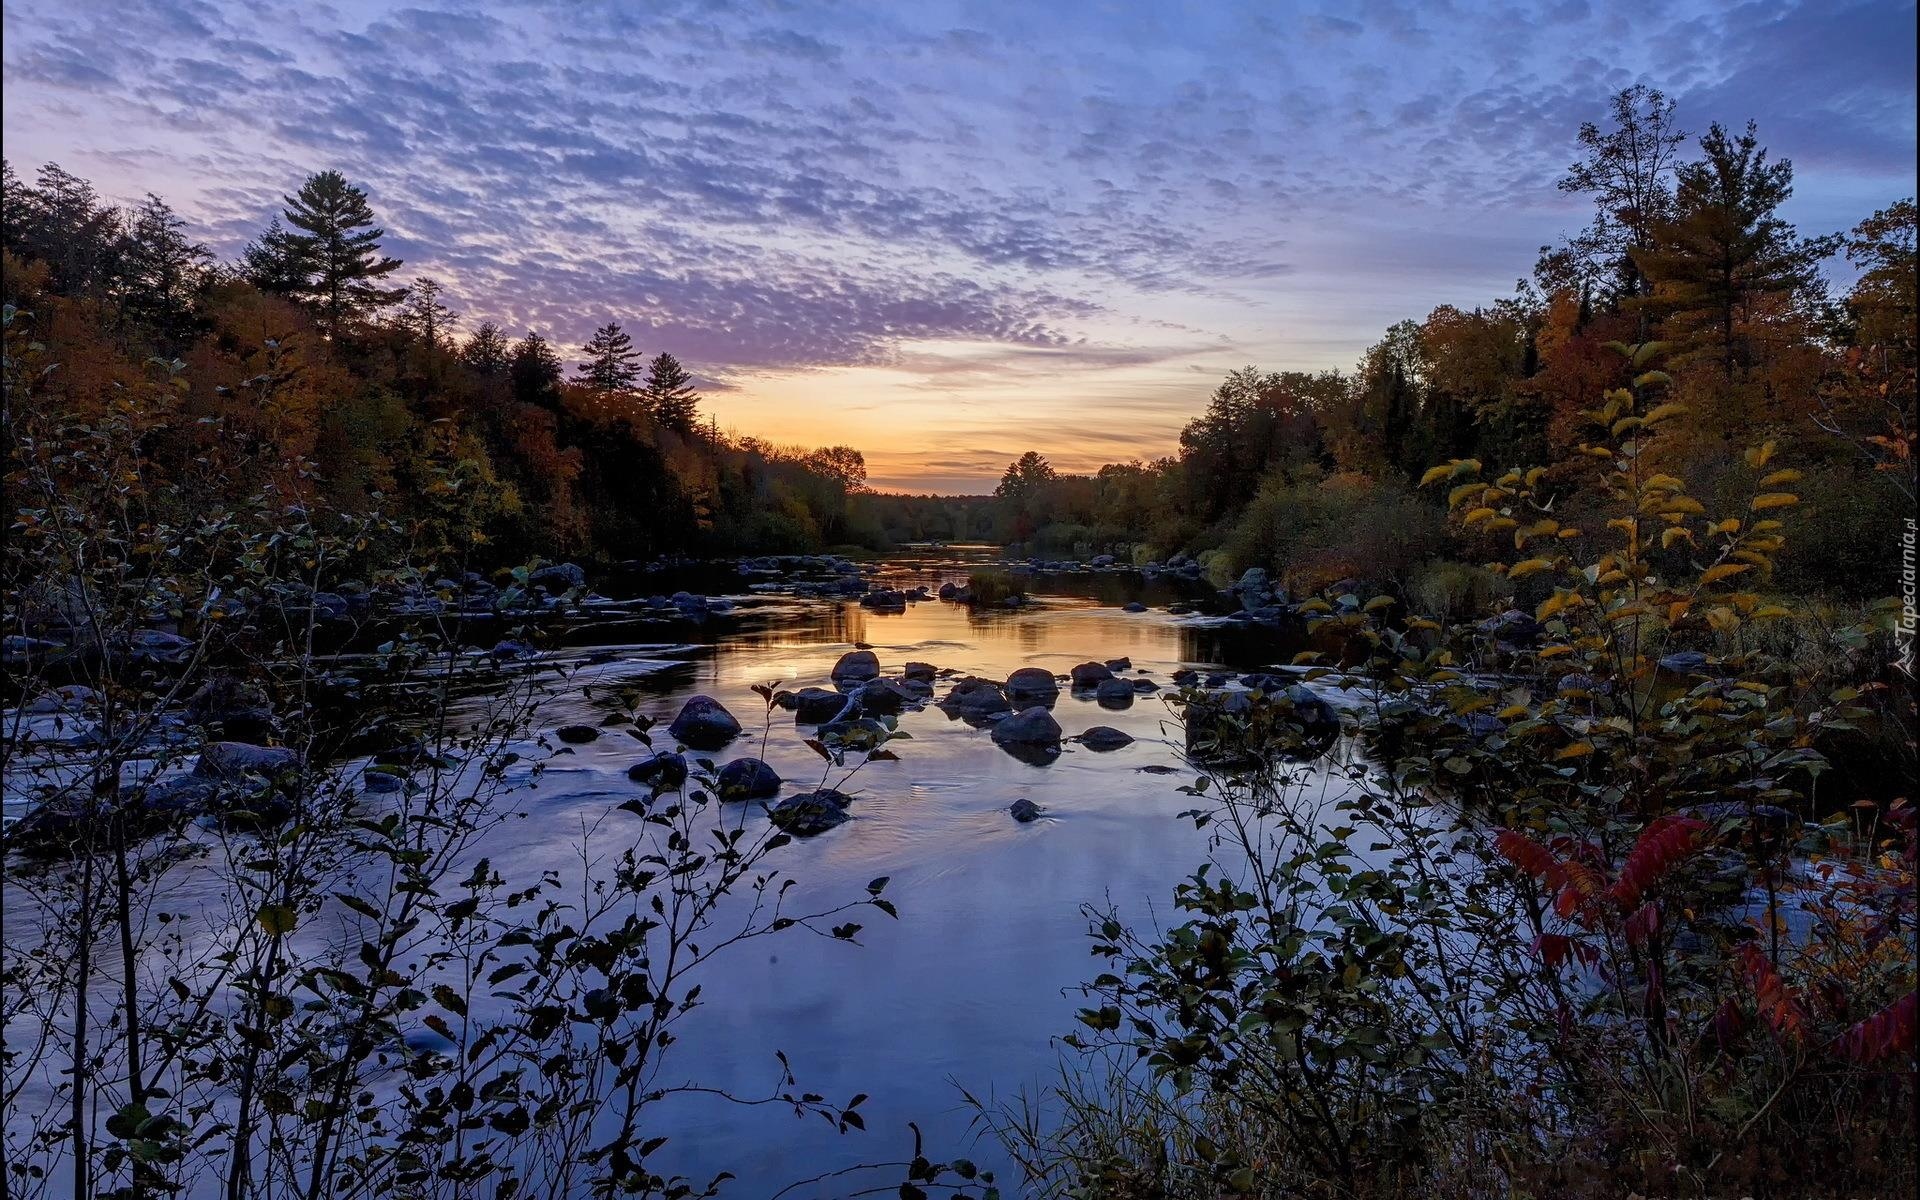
x=274 y=262
x=486 y=352
x=1724 y=248
x=161 y=274
x=612 y=366
x=534 y=371
x=63 y=224
x=424 y=316
x=670 y=395
x=341 y=244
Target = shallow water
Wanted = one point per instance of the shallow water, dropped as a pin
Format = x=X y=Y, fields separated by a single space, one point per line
x=967 y=988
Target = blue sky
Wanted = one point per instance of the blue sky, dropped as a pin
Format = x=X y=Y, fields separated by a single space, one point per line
x=947 y=232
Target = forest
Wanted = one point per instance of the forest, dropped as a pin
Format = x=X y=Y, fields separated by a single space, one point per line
x=327 y=368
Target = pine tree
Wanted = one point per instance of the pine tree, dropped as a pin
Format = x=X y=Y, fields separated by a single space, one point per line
x=535 y=372
x=274 y=262
x=63 y=224
x=161 y=274
x=670 y=395
x=341 y=244
x=486 y=352
x=612 y=366
x=1725 y=248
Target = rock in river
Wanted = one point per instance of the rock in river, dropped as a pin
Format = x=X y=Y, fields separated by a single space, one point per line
x=704 y=724
x=1024 y=810
x=857 y=664
x=233 y=761
x=1030 y=726
x=924 y=672
x=748 y=779
x=1114 y=693
x=577 y=735
x=1105 y=737
x=1032 y=683
x=976 y=697
x=817 y=706
x=1087 y=674
x=659 y=771
x=811 y=812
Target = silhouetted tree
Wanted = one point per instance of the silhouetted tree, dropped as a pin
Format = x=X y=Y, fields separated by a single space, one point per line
x=612 y=366
x=161 y=274
x=486 y=352
x=535 y=372
x=670 y=395
x=340 y=251
x=1628 y=171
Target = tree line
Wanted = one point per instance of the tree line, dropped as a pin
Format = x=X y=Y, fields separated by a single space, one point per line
x=352 y=389
x=1312 y=473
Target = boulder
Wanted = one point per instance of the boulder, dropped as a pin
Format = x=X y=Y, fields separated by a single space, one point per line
x=70 y=698
x=1123 y=663
x=1105 y=737
x=857 y=665
x=817 y=706
x=1024 y=810
x=659 y=771
x=157 y=645
x=881 y=697
x=234 y=761
x=976 y=697
x=1133 y=606
x=1186 y=676
x=1088 y=674
x=1237 y=728
x=1032 y=683
x=1145 y=687
x=512 y=650
x=1685 y=662
x=923 y=672
x=1114 y=693
x=577 y=735
x=810 y=813
x=378 y=781
x=558 y=577
x=1513 y=629
x=747 y=779
x=704 y=724
x=1029 y=726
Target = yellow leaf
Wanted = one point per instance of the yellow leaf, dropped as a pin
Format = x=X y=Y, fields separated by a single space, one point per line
x=1728 y=570
x=1775 y=500
x=1531 y=566
x=1769 y=612
x=1670 y=536
x=1478 y=515
x=1782 y=478
x=1577 y=750
x=1569 y=532
x=1435 y=475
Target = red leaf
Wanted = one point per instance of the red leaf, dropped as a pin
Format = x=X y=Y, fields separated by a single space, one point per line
x=1530 y=856
x=1662 y=846
x=1889 y=1031
x=1643 y=924
x=1777 y=1001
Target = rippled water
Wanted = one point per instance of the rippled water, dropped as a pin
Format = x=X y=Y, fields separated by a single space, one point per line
x=966 y=989
x=969 y=987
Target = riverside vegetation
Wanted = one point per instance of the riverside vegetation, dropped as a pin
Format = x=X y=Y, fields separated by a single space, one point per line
x=1608 y=887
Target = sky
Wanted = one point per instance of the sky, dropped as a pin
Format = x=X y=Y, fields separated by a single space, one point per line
x=946 y=232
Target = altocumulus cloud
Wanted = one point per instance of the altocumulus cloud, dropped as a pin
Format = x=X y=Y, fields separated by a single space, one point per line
x=1132 y=190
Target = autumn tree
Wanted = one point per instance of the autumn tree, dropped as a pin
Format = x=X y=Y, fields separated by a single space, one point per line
x=671 y=398
x=612 y=364
x=340 y=245
x=842 y=464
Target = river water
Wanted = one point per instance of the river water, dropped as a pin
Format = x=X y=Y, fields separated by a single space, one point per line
x=971 y=985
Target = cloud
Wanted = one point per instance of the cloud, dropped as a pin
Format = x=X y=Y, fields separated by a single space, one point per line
x=1081 y=205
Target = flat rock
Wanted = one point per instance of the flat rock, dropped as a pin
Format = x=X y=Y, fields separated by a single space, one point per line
x=1105 y=737
x=810 y=813
x=1029 y=726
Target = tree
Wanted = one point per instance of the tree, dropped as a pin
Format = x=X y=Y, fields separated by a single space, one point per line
x=341 y=247
x=1724 y=248
x=1627 y=170
x=161 y=274
x=612 y=362
x=842 y=464
x=424 y=316
x=275 y=262
x=672 y=400
x=486 y=352
x=534 y=371
x=62 y=222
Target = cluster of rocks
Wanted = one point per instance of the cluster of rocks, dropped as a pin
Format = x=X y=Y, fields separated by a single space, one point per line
x=960 y=593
